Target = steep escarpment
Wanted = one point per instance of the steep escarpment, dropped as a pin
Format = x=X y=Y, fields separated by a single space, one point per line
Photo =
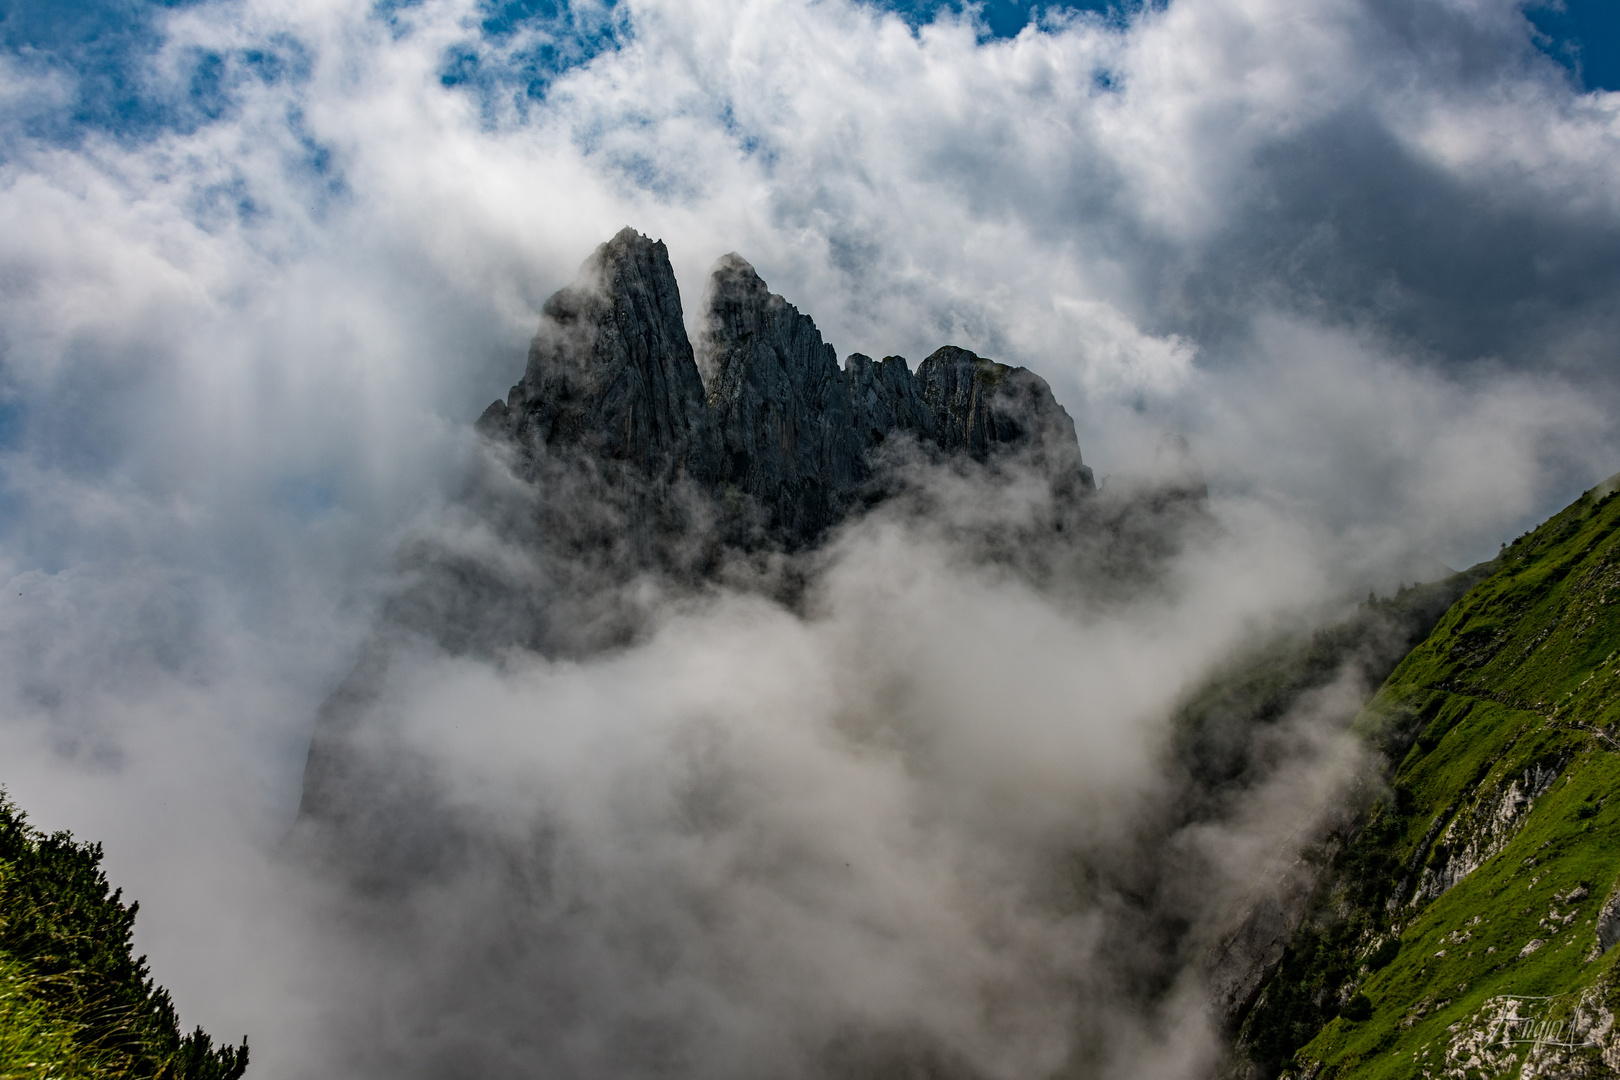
x=1221 y=747
x=613 y=379
x=782 y=413
x=610 y=372
x=1465 y=925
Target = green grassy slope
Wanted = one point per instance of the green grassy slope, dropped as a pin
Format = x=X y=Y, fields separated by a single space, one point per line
x=74 y=1003
x=1457 y=932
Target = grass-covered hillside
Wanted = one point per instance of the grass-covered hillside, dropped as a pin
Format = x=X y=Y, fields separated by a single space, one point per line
x=74 y=1003
x=1465 y=928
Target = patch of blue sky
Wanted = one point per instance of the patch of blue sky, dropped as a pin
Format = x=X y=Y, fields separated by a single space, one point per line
x=1008 y=18
x=517 y=49
x=125 y=80
x=1583 y=35
x=394 y=14
x=104 y=52
x=315 y=162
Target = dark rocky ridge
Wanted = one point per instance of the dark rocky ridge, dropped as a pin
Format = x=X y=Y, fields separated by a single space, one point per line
x=624 y=478
x=610 y=372
x=612 y=377
x=635 y=482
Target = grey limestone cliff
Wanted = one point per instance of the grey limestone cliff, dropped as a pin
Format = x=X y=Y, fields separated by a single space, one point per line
x=613 y=377
x=779 y=404
x=610 y=371
x=635 y=473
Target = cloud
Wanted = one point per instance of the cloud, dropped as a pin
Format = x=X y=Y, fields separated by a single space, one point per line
x=264 y=261
x=926 y=818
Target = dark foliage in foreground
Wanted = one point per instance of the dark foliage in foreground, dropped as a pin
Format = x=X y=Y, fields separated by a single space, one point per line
x=75 y=993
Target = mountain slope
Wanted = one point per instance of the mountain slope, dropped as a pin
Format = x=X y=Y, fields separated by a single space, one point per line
x=1464 y=929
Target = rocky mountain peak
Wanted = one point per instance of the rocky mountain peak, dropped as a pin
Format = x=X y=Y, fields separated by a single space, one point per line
x=610 y=371
x=779 y=404
x=612 y=377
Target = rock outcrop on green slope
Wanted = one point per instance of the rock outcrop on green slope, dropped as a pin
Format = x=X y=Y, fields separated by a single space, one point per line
x=1465 y=926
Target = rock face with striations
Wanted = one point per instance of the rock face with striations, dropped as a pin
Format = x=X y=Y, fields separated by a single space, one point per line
x=610 y=372
x=779 y=404
x=613 y=377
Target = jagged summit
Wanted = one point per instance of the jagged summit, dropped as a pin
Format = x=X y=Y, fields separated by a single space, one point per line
x=612 y=376
x=652 y=465
x=610 y=371
x=779 y=405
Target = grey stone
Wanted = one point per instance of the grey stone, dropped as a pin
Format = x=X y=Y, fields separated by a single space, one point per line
x=613 y=380
x=610 y=371
x=981 y=407
x=779 y=404
x=1608 y=922
x=885 y=398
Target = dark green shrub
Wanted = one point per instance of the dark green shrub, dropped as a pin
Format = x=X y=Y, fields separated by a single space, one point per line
x=69 y=938
x=1380 y=957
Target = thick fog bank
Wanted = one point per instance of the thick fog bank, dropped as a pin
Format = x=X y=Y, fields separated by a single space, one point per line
x=923 y=811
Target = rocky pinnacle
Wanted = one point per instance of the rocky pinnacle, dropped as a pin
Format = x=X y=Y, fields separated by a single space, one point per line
x=613 y=377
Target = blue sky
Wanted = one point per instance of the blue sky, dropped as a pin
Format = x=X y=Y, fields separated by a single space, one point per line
x=1584 y=35
x=1005 y=18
